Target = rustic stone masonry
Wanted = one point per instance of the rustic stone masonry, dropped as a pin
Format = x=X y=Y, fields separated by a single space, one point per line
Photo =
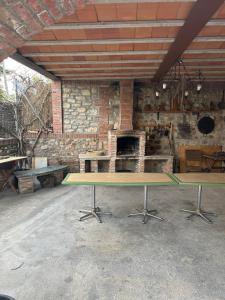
x=80 y=107
x=146 y=119
x=63 y=148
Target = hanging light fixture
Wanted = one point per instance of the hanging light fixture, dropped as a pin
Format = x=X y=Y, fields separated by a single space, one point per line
x=164 y=86
x=186 y=94
x=157 y=94
x=199 y=84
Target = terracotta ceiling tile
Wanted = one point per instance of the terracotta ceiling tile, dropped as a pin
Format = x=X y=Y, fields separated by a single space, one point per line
x=141 y=47
x=167 y=11
x=111 y=33
x=45 y=35
x=220 y=14
x=106 y=12
x=127 y=33
x=210 y=31
x=126 y=11
x=143 y=32
x=159 y=32
x=206 y=45
x=99 y=47
x=68 y=19
x=90 y=58
x=84 y=48
x=205 y=55
x=77 y=34
x=112 y=47
x=173 y=31
x=126 y=47
x=184 y=10
x=93 y=34
x=87 y=14
x=147 y=11
x=60 y=34
x=166 y=46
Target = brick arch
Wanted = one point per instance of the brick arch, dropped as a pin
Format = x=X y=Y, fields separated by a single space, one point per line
x=20 y=20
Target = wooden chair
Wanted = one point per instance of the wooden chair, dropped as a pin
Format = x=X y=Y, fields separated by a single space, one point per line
x=193 y=161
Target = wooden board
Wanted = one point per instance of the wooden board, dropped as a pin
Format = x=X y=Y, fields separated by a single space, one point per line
x=205 y=149
x=12 y=158
x=129 y=179
x=201 y=178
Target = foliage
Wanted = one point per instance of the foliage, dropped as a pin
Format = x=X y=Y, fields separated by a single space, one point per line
x=30 y=108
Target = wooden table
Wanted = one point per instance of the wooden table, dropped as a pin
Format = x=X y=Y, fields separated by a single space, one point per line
x=7 y=166
x=211 y=160
x=119 y=179
x=200 y=179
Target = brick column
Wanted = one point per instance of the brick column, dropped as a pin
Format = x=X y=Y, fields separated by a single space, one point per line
x=126 y=104
x=57 y=107
x=104 y=94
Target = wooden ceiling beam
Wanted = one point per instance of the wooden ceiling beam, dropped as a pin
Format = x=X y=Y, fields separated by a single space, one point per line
x=30 y=64
x=105 y=68
x=117 y=41
x=116 y=53
x=99 y=42
x=118 y=24
x=199 y=16
x=104 y=74
x=119 y=77
x=127 y=24
x=94 y=53
x=100 y=62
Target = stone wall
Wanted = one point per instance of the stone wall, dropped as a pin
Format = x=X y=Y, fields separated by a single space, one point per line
x=89 y=111
x=80 y=113
x=185 y=129
x=63 y=148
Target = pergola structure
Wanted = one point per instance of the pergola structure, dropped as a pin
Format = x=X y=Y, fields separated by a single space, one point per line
x=117 y=39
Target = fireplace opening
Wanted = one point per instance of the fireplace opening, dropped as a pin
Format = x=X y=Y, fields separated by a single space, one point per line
x=128 y=146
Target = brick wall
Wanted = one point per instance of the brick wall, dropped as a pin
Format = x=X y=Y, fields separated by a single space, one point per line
x=22 y=19
x=126 y=105
x=57 y=107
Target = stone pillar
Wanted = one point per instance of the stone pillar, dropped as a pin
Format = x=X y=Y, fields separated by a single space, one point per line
x=57 y=107
x=126 y=104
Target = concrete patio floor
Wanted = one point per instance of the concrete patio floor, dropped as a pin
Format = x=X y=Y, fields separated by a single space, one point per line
x=46 y=253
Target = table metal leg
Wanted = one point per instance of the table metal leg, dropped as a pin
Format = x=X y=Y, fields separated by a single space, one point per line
x=146 y=213
x=198 y=211
x=95 y=212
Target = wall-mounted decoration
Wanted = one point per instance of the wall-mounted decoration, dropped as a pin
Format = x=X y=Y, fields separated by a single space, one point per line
x=206 y=125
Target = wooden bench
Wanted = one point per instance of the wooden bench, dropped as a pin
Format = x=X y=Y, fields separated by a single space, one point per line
x=27 y=178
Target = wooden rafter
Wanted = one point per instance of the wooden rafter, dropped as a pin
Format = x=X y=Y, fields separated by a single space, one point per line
x=198 y=17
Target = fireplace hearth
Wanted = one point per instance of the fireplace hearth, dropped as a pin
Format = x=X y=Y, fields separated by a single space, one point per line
x=127 y=146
